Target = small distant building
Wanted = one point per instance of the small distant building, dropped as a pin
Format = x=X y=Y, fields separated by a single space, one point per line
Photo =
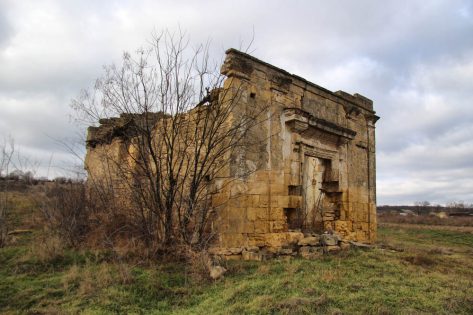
x=407 y=212
x=441 y=214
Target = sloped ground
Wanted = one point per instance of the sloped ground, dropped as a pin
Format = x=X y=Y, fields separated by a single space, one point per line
x=413 y=271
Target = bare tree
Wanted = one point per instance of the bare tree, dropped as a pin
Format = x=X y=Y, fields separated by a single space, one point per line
x=457 y=204
x=178 y=129
x=422 y=207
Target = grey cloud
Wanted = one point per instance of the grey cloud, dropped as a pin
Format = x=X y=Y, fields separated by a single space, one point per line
x=6 y=29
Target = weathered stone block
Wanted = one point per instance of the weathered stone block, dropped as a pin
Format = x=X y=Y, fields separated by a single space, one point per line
x=278 y=226
x=253 y=249
x=294 y=237
x=261 y=176
x=232 y=257
x=256 y=239
x=238 y=201
x=258 y=188
x=246 y=255
x=235 y=250
x=277 y=214
x=276 y=178
x=309 y=241
x=278 y=189
x=261 y=227
x=276 y=240
x=332 y=248
x=328 y=239
x=256 y=214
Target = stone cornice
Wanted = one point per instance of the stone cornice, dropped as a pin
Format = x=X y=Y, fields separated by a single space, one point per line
x=242 y=65
x=301 y=121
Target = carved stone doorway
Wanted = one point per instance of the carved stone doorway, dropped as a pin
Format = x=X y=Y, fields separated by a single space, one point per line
x=313 y=195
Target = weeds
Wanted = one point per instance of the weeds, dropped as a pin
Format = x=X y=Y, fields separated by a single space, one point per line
x=375 y=281
x=47 y=248
x=429 y=272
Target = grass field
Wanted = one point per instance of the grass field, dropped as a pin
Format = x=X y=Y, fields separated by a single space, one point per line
x=412 y=271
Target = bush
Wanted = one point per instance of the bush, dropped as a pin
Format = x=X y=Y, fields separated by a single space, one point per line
x=65 y=212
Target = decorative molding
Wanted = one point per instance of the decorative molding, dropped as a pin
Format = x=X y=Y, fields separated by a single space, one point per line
x=300 y=121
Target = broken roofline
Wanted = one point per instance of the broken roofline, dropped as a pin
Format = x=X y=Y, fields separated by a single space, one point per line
x=356 y=99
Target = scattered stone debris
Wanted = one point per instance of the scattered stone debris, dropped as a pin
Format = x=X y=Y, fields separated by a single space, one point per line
x=311 y=241
x=310 y=247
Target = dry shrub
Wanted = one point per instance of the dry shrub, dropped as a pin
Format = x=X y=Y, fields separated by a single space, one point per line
x=71 y=278
x=4 y=237
x=65 y=212
x=129 y=248
x=5 y=210
x=293 y=268
x=113 y=226
x=90 y=278
x=197 y=265
x=98 y=222
x=47 y=248
x=329 y=276
x=104 y=275
x=3 y=228
x=88 y=284
x=421 y=259
x=200 y=265
x=264 y=270
x=125 y=275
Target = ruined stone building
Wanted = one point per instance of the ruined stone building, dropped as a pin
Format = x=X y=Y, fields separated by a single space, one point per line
x=312 y=170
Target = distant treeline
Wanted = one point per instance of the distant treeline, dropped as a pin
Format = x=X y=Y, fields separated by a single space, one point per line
x=421 y=209
x=20 y=181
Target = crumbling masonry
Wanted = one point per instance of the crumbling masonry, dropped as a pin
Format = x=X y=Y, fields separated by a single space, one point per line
x=312 y=170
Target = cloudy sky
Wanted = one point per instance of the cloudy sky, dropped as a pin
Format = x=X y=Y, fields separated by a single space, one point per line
x=413 y=58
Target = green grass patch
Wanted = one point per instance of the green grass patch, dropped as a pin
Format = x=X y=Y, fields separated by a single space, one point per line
x=416 y=279
x=427 y=236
